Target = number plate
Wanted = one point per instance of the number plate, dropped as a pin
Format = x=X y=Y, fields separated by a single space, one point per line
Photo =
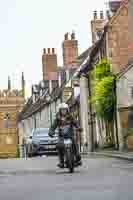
x=51 y=146
x=66 y=142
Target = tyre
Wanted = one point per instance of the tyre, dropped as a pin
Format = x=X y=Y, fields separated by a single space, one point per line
x=70 y=160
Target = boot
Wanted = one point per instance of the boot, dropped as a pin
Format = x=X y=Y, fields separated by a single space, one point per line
x=61 y=158
x=77 y=155
x=78 y=161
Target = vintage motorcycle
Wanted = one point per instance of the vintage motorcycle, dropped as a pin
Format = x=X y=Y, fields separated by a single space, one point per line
x=69 y=148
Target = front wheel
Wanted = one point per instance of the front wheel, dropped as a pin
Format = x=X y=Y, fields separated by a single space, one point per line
x=70 y=160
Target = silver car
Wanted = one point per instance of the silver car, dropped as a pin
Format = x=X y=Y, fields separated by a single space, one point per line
x=42 y=144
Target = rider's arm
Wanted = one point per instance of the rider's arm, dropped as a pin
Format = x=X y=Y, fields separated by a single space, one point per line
x=53 y=128
x=75 y=124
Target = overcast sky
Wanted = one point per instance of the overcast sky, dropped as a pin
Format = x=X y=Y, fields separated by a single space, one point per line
x=27 y=26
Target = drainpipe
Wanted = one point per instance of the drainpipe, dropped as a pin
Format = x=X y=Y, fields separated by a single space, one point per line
x=86 y=138
x=91 y=115
x=115 y=114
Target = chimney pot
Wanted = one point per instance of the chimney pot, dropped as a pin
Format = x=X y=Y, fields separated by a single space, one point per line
x=53 y=50
x=73 y=36
x=101 y=15
x=48 y=50
x=44 y=51
x=66 y=36
x=95 y=14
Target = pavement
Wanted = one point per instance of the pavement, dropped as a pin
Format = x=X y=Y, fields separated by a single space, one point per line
x=113 y=154
x=38 y=178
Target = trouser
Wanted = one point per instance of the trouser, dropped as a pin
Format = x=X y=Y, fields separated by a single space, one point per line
x=61 y=151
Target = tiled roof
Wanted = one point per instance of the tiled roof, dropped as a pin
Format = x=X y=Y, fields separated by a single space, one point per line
x=85 y=53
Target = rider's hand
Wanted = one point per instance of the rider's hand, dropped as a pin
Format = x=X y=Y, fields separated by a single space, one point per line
x=51 y=134
x=80 y=129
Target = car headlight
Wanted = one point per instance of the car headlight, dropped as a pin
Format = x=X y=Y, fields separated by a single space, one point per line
x=35 y=144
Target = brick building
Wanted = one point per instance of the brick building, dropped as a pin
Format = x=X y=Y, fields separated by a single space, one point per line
x=115 y=32
x=111 y=39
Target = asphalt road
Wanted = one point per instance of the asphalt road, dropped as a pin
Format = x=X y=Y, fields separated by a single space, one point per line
x=39 y=179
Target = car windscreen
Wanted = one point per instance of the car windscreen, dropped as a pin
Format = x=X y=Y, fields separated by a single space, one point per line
x=41 y=132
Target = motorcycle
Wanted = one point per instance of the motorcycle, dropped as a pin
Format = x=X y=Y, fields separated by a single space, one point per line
x=69 y=153
x=68 y=146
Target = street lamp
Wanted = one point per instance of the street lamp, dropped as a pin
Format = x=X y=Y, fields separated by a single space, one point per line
x=42 y=87
x=35 y=92
x=6 y=119
x=48 y=99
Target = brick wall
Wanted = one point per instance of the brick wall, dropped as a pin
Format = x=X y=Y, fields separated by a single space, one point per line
x=120 y=43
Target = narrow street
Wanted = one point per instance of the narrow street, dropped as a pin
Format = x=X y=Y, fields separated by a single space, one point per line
x=38 y=179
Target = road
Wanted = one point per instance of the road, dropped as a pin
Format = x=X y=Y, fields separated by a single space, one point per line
x=39 y=179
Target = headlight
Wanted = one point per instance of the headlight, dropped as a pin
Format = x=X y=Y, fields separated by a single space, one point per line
x=35 y=144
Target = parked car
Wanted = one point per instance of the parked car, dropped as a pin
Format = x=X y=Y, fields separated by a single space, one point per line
x=42 y=144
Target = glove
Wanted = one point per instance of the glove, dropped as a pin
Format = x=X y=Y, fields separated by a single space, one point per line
x=80 y=129
x=51 y=134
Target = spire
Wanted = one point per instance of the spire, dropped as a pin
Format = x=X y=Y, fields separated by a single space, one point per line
x=23 y=85
x=9 y=83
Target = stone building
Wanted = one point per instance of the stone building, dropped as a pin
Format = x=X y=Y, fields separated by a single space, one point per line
x=111 y=39
x=11 y=103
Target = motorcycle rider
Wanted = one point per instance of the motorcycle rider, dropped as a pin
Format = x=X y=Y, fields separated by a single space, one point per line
x=65 y=124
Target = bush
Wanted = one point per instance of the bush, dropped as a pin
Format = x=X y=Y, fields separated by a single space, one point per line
x=104 y=98
x=130 y=132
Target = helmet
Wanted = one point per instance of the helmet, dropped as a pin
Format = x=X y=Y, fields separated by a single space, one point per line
x=63 y=106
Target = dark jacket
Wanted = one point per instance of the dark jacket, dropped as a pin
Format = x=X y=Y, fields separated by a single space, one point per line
x=65 y=126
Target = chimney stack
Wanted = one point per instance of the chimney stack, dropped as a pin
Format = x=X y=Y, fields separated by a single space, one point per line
x=70 y=50
x=97 y=25
x=49 y=64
